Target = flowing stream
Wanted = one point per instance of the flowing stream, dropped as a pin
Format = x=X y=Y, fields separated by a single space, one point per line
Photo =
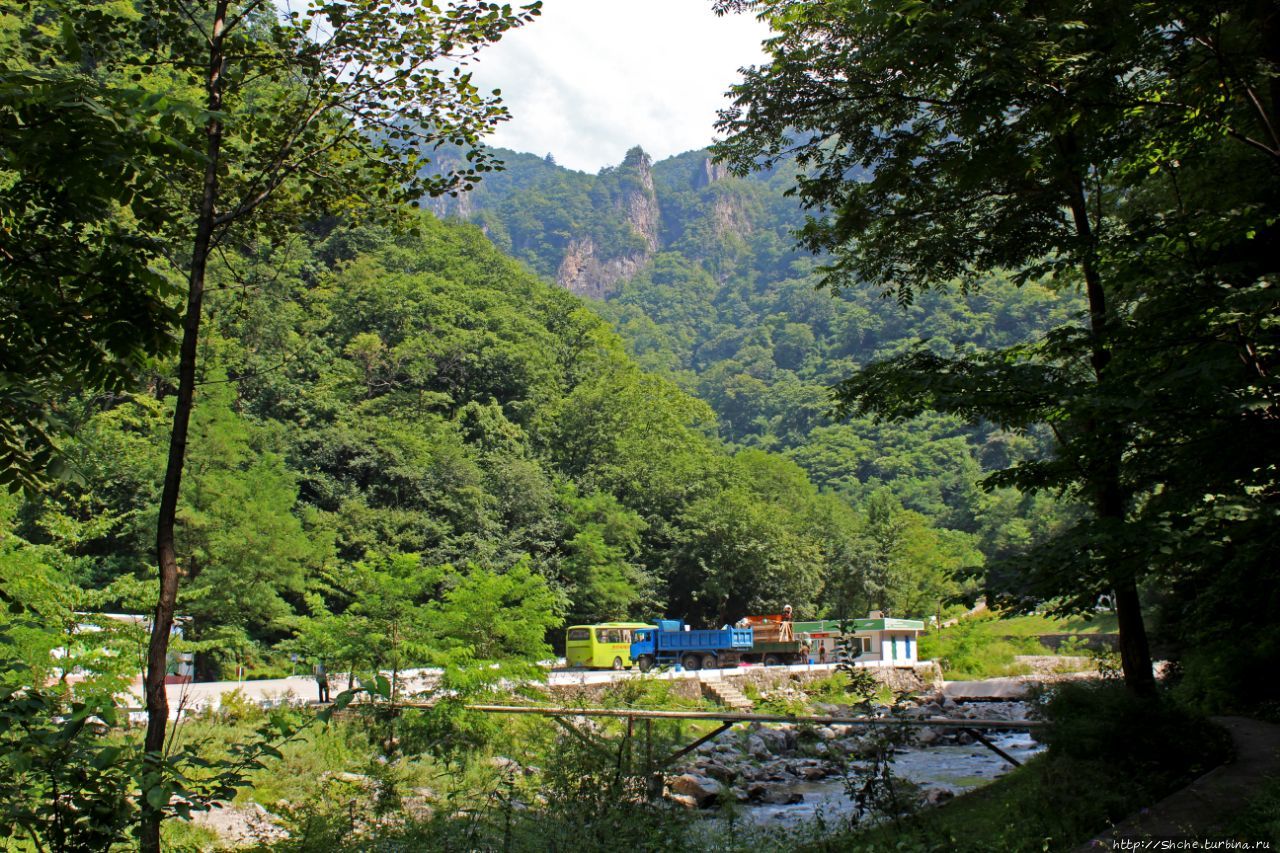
x=951 y=767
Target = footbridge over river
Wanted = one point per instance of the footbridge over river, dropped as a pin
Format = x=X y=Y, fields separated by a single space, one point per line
x=564 y=716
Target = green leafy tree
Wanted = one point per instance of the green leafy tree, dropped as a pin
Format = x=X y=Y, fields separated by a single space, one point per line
x=941 y=143
x=603 y=540
x=391 y=594
x=752 y=546
x=921 y=568
x=83 y=194
x=244 y=547
x=495 y=616
x=370 y=86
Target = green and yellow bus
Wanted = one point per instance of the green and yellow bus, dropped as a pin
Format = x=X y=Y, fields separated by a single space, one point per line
x=603 y=646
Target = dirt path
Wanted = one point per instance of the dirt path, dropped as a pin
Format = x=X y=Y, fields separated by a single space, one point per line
x=1202 y=807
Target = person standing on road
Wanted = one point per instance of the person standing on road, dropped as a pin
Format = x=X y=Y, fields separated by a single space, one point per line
x=322 y=681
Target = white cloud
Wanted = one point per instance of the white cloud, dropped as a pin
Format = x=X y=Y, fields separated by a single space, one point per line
x=588 y=79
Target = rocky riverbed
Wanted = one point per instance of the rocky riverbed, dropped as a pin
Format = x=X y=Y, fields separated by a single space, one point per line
x=791 y=773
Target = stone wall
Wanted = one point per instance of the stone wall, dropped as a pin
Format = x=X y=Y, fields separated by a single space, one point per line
x=923 y=678
x=1095 y=642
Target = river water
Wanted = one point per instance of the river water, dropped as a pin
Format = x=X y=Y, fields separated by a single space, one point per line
x=955 y=768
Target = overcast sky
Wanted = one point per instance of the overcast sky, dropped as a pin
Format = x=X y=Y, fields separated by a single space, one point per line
x=588 y=79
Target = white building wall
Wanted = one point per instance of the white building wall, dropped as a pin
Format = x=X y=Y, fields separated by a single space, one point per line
x=883 y=648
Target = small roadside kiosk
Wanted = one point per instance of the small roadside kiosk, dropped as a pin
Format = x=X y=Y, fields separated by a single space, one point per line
x=885 y=641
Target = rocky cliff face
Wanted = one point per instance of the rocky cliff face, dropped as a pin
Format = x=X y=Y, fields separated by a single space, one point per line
x=710 y=173
x=730 y=216
x=461 y=206
x=584 y=273
x=728 y=210
x=591 y=269
x=592 y=233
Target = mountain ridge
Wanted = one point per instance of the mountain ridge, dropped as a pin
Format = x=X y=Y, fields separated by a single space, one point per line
x=720 y=299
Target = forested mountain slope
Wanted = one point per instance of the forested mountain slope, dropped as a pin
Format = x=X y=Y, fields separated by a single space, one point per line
x=366 y=395
x=699 y=273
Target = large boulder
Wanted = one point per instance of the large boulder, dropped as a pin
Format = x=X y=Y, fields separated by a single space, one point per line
x=757 y=747
x=781 y=795
x=856 y=747
x=703 y=789
x=505 y=764
x=776 y=741
x=927 y=736
x=934 y=796
x=719 y=772
x=683 y=800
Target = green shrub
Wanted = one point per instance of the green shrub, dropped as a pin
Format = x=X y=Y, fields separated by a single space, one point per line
x=64 y=784
x=966 y=650
x=235 y=707
x=1260 y=819
x=1110 y=754
x=844 y=687
x=1156 y=738
x=645 y=692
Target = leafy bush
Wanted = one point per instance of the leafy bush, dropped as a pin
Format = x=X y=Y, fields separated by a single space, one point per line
x=63 y=784
x=1260 y=819
x=846 y=686
x=645 y=692
x=968 y=650
x=1153 y=739
x=234 y=706
x=1110 y=754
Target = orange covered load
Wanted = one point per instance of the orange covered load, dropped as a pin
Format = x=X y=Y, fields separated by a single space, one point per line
x=770 y=629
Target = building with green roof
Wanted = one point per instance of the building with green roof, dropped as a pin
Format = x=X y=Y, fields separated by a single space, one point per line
x=884 y=641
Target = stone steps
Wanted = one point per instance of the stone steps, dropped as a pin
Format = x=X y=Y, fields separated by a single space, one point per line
x=726 y=694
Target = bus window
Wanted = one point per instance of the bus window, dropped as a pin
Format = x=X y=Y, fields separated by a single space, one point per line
x=578 y=635
x=602 y=635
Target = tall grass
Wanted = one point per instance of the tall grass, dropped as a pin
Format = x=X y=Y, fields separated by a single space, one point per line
x=968 y=650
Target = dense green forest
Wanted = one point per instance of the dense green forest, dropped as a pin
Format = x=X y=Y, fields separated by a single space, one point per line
x=364 y=394
x=969 y=298
x=712 y=292
x=367 y=393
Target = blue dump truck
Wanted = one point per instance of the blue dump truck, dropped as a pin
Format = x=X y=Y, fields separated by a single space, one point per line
x=669 y=642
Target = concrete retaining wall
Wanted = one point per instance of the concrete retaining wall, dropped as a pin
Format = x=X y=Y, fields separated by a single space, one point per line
x=922 y=678
x=1096 y=642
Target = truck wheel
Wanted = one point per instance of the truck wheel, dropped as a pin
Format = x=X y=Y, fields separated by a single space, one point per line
x=645 y=663
x=692 y=663
x=771 y=660
x=617 y=663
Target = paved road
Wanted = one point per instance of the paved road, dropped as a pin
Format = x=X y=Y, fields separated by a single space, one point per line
x=201 y=695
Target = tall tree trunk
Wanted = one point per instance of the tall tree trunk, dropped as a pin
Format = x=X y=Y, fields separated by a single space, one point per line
x=166 y=554
x=1109 y=501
